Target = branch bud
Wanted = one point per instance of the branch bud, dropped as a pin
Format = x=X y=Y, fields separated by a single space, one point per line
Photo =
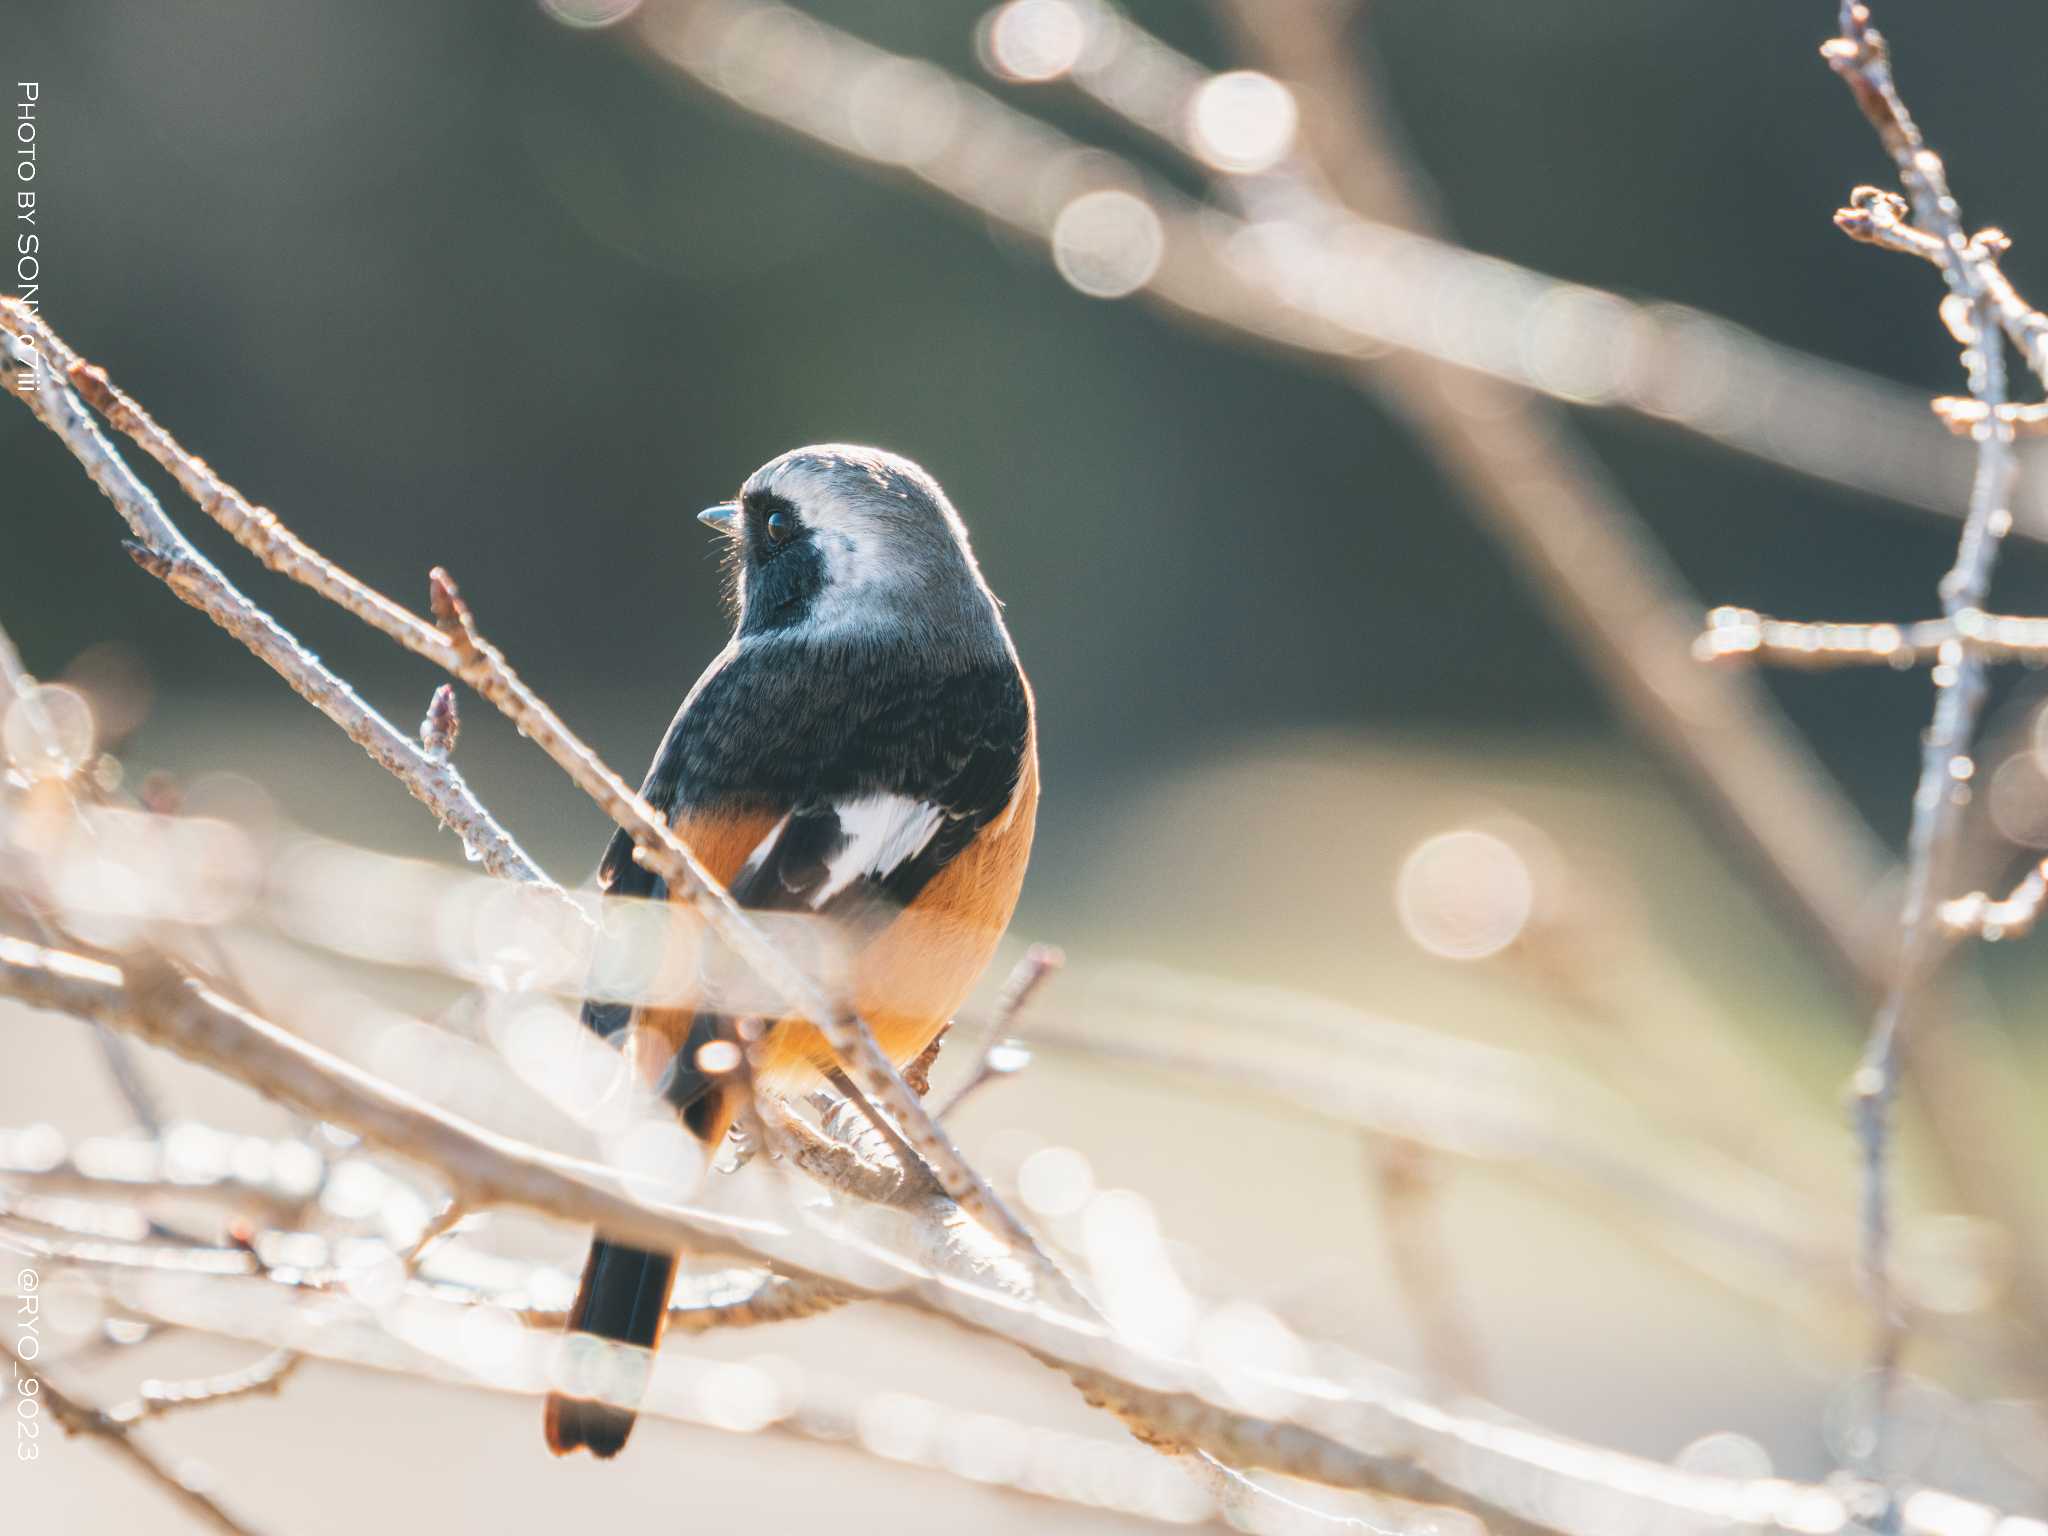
x=443 y=724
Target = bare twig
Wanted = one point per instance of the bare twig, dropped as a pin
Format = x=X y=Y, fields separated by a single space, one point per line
x=80 y=1418
x=996 y=1055
x=732 y=1298
x=1978 y=915
x=1969 y=267
x=1963 y=416
x=833 y=1414
x=256 y=529
x=133 y=1170
x=1405 y=1176
x=157 y=1398
x=168 y=555
x=1968 y=263
x=1738 y=633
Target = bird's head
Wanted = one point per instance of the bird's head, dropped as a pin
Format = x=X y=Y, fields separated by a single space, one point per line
x=849 y=542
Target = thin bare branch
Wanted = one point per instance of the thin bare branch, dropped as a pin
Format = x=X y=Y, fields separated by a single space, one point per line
x=1987 y=304
x=1963 y=416
x=1405 y=1176
x=1977 y=915
x=996 y=1055
x=80 y=1418
x=1738 y=633
x=168 y=555
x=134 y=1170
x=256 y=529
x=1969 y=263
x=157 y=1398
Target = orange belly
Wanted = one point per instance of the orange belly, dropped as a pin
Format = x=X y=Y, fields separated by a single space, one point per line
x=909 y=979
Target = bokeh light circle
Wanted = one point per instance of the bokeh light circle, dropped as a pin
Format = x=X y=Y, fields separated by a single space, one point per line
x=1032 y=41
x=1108 y=243
x=1055 y=1181
x=48 y=731
x=1464 y=895
x=1243 y=122
x=588 y=15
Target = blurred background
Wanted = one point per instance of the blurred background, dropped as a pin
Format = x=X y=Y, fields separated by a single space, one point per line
x=462 y=284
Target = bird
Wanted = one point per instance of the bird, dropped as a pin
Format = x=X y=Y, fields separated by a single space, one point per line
x=864 y=750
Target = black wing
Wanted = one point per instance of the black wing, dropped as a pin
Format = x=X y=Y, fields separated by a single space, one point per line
x=882 y=768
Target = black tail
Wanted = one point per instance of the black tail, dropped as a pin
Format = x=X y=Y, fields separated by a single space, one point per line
x=625 y=1291
x=623 y=1298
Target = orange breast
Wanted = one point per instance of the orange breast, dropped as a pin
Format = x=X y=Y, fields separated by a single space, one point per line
x=913 y=976
x=907 y=981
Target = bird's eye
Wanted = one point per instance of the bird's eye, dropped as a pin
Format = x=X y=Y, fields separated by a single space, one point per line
x=781 y=527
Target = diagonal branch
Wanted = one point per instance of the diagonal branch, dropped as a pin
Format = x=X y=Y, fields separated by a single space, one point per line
x=166 y=553
x=80 y=1418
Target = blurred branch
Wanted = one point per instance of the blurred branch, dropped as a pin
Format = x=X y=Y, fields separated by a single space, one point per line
x=1547 y=503
x=996 y=1056
x=126 y=1168
x=487 y=1170
x=1517 y=1479
x=1487 y=1105
x=18 y=691
x=1963 y=417
x=157 y=1398
x=1977 y=915
x=1405 y=1176
x=1379 y=286
x=79 y=1418
x=816 y=1408
x=1736 y=633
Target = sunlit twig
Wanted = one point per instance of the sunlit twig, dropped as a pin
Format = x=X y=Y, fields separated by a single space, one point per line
x=158 y=1398
x=1970 y=269
x=995 y=1055
x=1737 y=633
x=80 y=1418
x=167 y=554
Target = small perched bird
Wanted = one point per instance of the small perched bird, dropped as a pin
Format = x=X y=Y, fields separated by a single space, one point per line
x=864 y=750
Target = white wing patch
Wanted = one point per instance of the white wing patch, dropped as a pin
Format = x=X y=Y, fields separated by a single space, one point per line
x=761 y=850
x=882 y=833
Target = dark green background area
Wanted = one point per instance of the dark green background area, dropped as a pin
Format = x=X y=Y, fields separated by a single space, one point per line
x=451 y=283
